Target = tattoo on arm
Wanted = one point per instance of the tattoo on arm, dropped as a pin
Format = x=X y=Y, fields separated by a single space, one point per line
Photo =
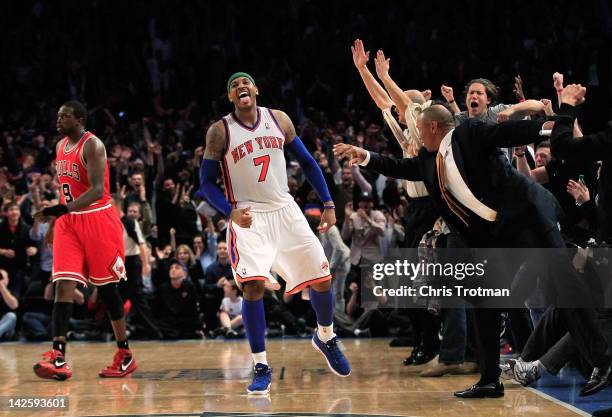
x=215 y=142
x=286 y=125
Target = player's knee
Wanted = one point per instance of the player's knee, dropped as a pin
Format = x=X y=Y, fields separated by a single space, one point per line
x=253 y=290
x=322 y=286
x=64 y=291
x=109 y=294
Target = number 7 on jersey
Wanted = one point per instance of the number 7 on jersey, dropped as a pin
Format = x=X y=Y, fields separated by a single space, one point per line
x=265 y=161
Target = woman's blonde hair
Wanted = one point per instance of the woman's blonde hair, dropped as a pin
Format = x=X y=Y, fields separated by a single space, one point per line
x=189 y=251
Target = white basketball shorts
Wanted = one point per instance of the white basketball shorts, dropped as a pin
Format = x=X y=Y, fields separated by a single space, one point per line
x=279 y=241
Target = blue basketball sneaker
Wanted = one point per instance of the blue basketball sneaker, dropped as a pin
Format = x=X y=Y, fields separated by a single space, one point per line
x=262 y=378
x=336 y=360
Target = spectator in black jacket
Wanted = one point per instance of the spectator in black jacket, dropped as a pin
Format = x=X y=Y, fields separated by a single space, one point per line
x=167 y=209
x=15 y=246
x=178 y=305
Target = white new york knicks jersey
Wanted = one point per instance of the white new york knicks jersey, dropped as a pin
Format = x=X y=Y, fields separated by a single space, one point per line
x=254 y=166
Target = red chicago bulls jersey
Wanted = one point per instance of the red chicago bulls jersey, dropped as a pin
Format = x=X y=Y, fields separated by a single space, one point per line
x=72 y=173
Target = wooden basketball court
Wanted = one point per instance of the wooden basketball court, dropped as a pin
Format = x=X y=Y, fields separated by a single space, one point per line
x=209 y=378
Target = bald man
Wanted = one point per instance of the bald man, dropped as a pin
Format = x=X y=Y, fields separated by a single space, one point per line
x=488 y=204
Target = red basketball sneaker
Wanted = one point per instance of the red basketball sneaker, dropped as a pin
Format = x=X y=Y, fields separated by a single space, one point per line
x=53 y=366
x=123 y=364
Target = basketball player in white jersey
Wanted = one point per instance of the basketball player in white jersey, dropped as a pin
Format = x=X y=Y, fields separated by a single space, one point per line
x=267 y=230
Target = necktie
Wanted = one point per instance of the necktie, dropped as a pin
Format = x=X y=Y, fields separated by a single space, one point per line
x=452 y=203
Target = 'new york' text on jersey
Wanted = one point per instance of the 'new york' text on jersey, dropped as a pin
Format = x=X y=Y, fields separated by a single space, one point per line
x=254 y=166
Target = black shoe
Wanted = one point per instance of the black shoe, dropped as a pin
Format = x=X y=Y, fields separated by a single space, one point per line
x=410 y=359
x=606 y=412
x=423 y=356
x=599 y=380
x=231 y=334
x=492 y=390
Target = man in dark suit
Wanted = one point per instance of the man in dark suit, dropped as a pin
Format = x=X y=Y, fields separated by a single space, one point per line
x=488 y=204
x=595 y=147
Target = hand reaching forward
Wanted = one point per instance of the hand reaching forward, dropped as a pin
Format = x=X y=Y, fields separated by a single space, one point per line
x=356 y=155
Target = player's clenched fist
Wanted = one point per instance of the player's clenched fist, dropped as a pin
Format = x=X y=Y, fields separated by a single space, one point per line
x=242 y=217
x=356 y=155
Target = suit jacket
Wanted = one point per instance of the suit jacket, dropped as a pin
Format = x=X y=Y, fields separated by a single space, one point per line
x=521 y=203
x=18 y=241
x=596 y=147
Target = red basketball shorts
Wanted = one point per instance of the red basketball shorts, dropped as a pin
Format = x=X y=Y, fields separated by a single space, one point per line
x=88 y=247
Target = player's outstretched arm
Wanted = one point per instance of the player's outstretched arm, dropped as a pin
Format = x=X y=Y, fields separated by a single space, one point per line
x=311 y=169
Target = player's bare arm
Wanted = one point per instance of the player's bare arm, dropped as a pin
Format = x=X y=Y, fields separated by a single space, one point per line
x=328 y=219
x=94 y=154
x=215 y=142
x=215 y=146
x=286 y=125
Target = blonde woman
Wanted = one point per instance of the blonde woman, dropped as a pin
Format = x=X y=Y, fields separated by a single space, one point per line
x=187 y=259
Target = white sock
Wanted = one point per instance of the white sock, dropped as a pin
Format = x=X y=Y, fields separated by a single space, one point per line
x=325 y=333
x=260 y=358
x=539 y=364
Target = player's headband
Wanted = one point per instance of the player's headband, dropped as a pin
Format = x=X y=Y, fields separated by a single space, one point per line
x=238 y=75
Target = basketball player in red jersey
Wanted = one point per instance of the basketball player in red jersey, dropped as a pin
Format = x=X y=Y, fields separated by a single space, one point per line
x=87 y=241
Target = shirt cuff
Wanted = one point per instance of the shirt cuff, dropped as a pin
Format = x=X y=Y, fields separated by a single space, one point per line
x=567 y=110
x=366 y=161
